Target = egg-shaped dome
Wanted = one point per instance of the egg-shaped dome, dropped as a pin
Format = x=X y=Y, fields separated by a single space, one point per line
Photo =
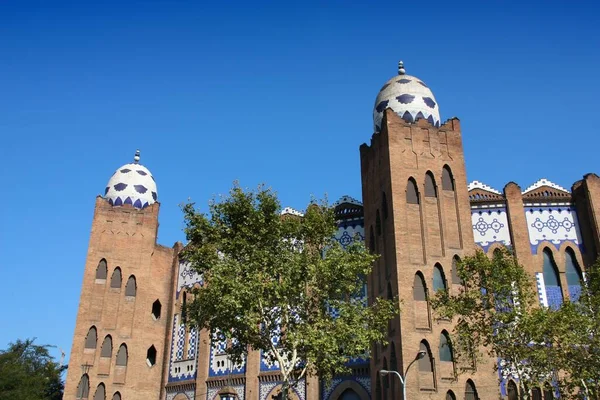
x=408 y=97
x=131 y=184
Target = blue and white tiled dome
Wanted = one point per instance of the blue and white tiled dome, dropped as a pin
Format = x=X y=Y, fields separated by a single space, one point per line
x=131 y=184
x=408 y=97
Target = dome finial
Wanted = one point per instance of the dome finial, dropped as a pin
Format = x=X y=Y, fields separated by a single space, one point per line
x=401 y=70
x=136 y=158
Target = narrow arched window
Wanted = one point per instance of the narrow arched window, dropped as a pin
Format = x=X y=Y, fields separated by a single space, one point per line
x=447 y=179
x=455 y=278
x=131 y=287
x=101 y=270
x=430 y=189
x=513 y=393
x=100 y=392
x=551 y=280
x=184 y=308
x=412 y=194
x=122 y=355
x=393 y=367
x=419 y=293
x=384 y=206
x=386 y=379
x=116 y=278
x=573 y=272
x=425 y=363
x=83 y=389
x=470 y=391
x=116 y=396
x=450 y=395
x=445 y=347
x=536 y=393
x=378 y=224
x=439 y=281
x=371 y=240
x=106 y=350
x=92 y=338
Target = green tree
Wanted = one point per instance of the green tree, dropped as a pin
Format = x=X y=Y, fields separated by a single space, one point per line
x=497 y=315
x=271 y=283
x=28 y=372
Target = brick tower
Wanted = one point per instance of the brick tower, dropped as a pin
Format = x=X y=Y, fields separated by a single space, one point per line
x=418 y=218
x=120 y=334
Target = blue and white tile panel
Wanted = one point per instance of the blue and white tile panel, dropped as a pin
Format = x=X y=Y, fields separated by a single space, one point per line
x=212 y=393
x=181 y=369
x=490 y=226
x=348 y=234
x=266 y=388
x=187 y=277
x=326 y=391
x=556 y=224
x=220 y=364
x=541 y=289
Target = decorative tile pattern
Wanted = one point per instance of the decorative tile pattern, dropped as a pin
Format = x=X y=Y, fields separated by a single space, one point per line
x=266 y=387
x=490 y=226
x=212 y=392
x=482 y=186
x=556 y=224
x=180 y=369
x=363 y=381
x=187 y=277
x=192 y=342
x=189 y=392
x=541 y=289
x=350 y=233
x=574 y=292
x=131 y=184
x=544 y=182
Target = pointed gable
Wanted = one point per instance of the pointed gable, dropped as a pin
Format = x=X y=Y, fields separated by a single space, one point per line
x=545 y=190
x=348 y=207
x=479 y=192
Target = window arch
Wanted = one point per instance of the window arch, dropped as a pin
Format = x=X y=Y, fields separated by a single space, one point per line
x=83 y=388
x=512 y=391
x=106 y=350
x=551 y=280
x=92 y=338
x=371 y=240
x=439 y=281
x=450 y=395
x=573 y=273
x=101 y=270
x=470 y=391
x=384 y=206
x=116 y=278
x=131 y=287
x=445 y=347
x=386 y=379
x=447 y=179
x=536 y=393
x=419 y=288
x=412 y=193
x=455 y=278
x=122 y=355
x=378 y=223
x=100 y=392
x=430 y=189
x=425 y=363
x=116 y=396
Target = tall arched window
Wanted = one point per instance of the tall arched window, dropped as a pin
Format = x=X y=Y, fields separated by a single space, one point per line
x=445 y=347
x=439 y=281
x=393 y=367
x=122 y=355
x=116 y=279
x=425 y=363
x=371 y=240
x=447 y=179
x=430 y=189
x=131 y=288
x=551 y=280
x=116 y=396
x=106 y=350
x=384 y=206
x=91 y=339
x=573 y=273
x=450 y=395
x=470 y=391
x=386 y=379
x=455 y=278
x=83 y=389
x=512 y=391
x=378 y=223
x=100 y=392
x=184 y=307
x=536 y=393
x=419 y=290
x=101 y=270
x=412 y=194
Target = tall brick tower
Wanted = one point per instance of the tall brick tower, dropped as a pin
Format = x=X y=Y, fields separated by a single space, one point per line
x=418 y=218
x=120 y=334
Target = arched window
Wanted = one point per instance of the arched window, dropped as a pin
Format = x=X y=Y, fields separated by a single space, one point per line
x=378 y=223
x=450 y=395
x=393 y=367
x=371 y=240
x=470 y=391
x=439 y=281
x=106 y=350
x=419 y=290
x=445 y=347
x=151 y=356
x=384 y=206
x=92 y=338
x=536 y=393
x=447 y=179
x=430 y=189
x=412 y=194
x=512 y=391
x=101 y=270
x=122 y=355
x=551 y=280
x=573 y=273
x=83 y=389
x=131 y=288
x=386 y=379
x=116 y=279
x=184 y=307
x=455 y=278
x=100 y=392
x=116 y=396
x=425 y=363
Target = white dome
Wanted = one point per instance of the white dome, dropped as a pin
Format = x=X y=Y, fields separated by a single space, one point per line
x=131 y=184
x=408 y=97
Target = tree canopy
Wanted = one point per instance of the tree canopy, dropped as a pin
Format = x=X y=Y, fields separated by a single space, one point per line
x=282 y=284
x=28 y=372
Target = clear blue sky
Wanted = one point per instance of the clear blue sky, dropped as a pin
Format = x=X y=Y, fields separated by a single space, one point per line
x=259 y=92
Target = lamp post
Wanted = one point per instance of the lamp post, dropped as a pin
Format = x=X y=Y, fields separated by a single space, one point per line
x=385 y=372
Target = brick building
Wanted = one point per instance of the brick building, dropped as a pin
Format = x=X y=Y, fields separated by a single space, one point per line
x=131 y=340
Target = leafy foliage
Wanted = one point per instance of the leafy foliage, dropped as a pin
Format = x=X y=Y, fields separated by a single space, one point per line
x=28 y=372
x=272 y=283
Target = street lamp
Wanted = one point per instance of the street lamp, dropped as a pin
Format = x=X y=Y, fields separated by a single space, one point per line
x=384 y=372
